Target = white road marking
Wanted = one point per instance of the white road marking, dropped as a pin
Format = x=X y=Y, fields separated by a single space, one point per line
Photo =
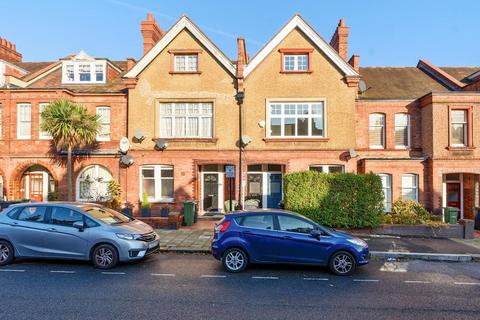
x=416 y=281
x=62 y=271
x=266 y=278
x=315 y=279
x=366 y=280
x=163 y=274
x=468 y=283
x=212 y=276
x=113 y=273
x=12 y=270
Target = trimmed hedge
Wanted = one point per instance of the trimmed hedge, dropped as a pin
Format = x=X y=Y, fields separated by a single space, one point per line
x=341 y=200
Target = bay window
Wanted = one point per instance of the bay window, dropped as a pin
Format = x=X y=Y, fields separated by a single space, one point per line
x=84 y=72
x=186 y=120
x=387 y=191
x=402 y=130
x=296 y=119
x=157 y=182
x=458 y=128
x=376 y=131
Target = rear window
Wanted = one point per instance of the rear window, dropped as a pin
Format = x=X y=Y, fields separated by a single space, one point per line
x=264 y=222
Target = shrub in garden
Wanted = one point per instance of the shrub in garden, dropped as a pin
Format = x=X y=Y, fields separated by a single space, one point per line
x=409 y=212
x=344 y=200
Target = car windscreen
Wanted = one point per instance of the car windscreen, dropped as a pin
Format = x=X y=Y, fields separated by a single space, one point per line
x=107 y=216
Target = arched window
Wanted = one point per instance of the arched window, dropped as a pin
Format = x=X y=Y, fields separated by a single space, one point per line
x=376 y=130
x=402 y=130
x=92 y=184
x=410 y=186
x=387 y=191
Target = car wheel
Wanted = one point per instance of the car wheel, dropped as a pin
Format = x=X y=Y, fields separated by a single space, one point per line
x=342 y=263
x=7 y=254
x=105 y=256
x=235 y=260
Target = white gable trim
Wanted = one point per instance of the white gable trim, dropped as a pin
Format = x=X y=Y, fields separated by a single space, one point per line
x=298 y=22
x=183 y=23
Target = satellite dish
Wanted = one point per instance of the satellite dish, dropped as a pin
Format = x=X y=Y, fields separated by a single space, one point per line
x=362 y=86
x=126 y=160
x=352 y=153
x=138 y=136
x=161 y=144
x=124 y=145
x=246 y=140
x=261 y=124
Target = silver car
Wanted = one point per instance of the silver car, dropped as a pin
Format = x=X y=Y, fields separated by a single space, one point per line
x=82 y=231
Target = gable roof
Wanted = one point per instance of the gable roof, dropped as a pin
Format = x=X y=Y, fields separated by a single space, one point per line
x=180 y=25
x=298 y=22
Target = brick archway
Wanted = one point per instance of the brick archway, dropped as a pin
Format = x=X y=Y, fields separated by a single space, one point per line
x=3 y=179
x=16 y=177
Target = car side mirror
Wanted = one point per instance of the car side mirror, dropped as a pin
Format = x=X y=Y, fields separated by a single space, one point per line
x=316 y=233
x=79 y=225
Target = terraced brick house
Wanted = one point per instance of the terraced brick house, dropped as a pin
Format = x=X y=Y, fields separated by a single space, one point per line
x=300 y=103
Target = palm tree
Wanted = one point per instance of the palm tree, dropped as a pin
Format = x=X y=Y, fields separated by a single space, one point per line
x=71 y=126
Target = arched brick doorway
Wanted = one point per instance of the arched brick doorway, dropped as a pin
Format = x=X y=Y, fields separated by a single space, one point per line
x=34 y=181
x=3 y=186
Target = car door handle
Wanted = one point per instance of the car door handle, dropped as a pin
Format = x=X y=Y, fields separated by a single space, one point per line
x=51 y=229
x=247 y=232
x=287 y=237
x=15 y=224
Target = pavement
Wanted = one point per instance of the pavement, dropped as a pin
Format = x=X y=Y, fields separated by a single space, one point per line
x=198 y=241
x=195 y=286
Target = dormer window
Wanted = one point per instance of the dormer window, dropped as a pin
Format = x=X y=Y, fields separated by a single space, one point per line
x=84 y=72
x=295 y=60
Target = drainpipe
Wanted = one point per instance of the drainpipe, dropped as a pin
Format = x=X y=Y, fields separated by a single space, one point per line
x=239 y=97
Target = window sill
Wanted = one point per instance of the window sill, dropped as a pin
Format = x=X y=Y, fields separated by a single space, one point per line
x=167 y=200
x=185 y=72
x=296 y=72
x=465 y=148
x=210 y=140
x=268 y=140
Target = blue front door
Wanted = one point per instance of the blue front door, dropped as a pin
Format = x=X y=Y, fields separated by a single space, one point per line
x=274 y=190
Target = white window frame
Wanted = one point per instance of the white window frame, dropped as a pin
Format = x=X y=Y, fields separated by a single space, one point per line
x=173 y=115
x=383 y=130
x=187 y=60
x=465 y=128
x=42 y=135
x=157 y=177
x=283 y=115
x=402 y=126
x=296 y=65
x=326 y=167
x=99 y=110
x=95 y=182
x=21 y=106
x=414 y=187
x=76 y=71
x=386 y=204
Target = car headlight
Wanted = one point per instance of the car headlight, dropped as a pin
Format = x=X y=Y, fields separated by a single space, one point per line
x=126 y=236
x=358 y=242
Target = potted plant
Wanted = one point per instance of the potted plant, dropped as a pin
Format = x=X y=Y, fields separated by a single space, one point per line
x=146 y=212
x=165 y=211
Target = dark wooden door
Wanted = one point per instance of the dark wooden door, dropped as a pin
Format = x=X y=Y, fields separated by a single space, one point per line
x=210 y=192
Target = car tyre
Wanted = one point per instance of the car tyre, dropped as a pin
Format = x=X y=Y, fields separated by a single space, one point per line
x=105 y=256
x=235 y=260
x=342 y=263
x=7 y=253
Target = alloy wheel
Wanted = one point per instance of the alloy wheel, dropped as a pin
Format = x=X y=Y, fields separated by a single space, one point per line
x=234 y=260
x=104 y=257
x=4 y=253
x=342 y=263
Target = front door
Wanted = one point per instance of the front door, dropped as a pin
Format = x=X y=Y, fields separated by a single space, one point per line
x=36 y=187
x=453 y=194
x=210 y=192
x=274 y=194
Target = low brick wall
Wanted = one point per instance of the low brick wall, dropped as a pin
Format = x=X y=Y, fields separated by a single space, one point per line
x=463 y=230
x=173 y=221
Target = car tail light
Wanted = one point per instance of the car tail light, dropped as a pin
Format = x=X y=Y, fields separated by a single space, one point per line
x=222 y=227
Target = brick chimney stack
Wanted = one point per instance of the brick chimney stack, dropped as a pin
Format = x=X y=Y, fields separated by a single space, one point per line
x=8 y=51
x=151 y=33
x=340 y=39
x=242 y=60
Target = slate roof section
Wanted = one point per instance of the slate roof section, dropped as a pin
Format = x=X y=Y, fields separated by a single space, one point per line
x=397 y=83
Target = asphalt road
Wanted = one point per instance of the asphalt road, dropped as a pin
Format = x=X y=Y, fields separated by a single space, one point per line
x=175 y=286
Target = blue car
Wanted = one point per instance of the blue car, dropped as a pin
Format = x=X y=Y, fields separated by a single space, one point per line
x=284 y=237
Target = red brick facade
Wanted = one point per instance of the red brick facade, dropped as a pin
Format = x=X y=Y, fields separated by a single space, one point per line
x=428 y=156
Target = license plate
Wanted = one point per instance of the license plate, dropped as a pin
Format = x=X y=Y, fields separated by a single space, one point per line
x=152 y=244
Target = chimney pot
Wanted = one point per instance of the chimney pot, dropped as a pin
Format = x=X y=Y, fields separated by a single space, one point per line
x=130 y=63
x=8 y=51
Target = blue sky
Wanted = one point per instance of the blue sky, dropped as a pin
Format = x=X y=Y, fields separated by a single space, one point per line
x=383 y=33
